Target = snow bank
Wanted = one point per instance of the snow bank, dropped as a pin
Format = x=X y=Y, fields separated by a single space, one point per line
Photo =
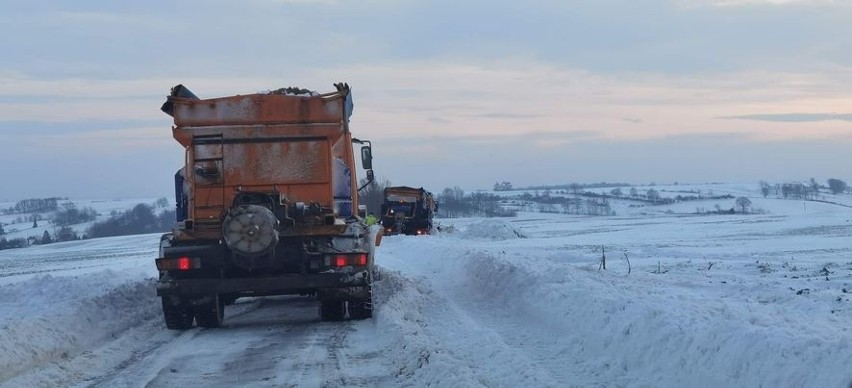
x=48 y=318
x=638 y=331
x=491 y=229
x=434 y=344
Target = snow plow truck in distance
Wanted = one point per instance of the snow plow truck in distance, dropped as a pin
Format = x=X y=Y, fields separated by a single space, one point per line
x=408 y=211
x=265 y=206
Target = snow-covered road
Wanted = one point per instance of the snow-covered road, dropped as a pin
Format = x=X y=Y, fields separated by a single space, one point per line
x=95 y=321
x=757 y=300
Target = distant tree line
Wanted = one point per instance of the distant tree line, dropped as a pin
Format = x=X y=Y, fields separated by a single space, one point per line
x=455 y=203
x=34 y=218
x=12 y=243
x=576 y=187
x=65 y=233
x=33 y=205
x=503 y=186
x=594 y=205
x=803 y=190
x=140 y=220
x=69 y=214
x=651 y=196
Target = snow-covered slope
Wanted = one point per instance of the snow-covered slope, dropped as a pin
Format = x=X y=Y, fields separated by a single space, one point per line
x=712 y=300
x=24 y=229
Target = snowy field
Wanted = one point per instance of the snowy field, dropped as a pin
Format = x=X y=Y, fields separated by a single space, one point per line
x=24 y=229
x=709 y=301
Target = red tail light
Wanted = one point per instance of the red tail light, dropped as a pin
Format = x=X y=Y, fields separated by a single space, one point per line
x=184 y=264
x=344 y=260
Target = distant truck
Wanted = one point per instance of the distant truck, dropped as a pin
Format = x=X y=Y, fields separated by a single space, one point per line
x=265 y=206
x=407 y=210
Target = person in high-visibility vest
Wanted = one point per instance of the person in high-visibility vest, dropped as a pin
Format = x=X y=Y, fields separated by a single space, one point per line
x=371 y=219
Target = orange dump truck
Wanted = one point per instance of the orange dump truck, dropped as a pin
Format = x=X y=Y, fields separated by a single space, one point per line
x=267 y=205
x=407 y=210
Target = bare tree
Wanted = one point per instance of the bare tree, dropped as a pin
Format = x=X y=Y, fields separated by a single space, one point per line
x=373 y=195
x=764 y=188
x=653 y=195
x=575 y=188
x=836 y=186
x=743 y=203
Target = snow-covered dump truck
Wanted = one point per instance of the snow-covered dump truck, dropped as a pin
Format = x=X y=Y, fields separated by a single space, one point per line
x=265 y=205
x=407 y=210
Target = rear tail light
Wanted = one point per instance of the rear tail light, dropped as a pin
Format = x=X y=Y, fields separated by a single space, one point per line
x=350 y=259
x=182 y=263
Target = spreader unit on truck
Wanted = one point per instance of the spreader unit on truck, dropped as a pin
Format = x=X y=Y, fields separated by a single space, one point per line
x=408 y=210
x=267 y=205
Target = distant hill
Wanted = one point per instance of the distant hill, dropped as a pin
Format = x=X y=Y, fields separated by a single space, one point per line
x=30 y=219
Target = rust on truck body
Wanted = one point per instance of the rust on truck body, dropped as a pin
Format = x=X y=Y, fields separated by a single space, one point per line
x=260 y=109
x=261 y=142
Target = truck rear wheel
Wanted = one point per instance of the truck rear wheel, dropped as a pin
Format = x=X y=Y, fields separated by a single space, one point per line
x=210 y=313
x=362 y=308
x=332 y=310
x=177 y=313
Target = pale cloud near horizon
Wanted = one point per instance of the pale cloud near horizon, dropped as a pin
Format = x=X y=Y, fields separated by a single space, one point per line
x=524 y=109
x=467 y=82
x=735 y=3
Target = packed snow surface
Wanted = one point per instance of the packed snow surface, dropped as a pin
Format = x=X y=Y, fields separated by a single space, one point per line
x=711 y=300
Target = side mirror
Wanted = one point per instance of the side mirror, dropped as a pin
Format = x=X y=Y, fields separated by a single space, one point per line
x=370 y=175
x=367 y=158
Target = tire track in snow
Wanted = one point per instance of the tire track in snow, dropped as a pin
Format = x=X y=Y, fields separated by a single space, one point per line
x=145 y=346
x=281 y=343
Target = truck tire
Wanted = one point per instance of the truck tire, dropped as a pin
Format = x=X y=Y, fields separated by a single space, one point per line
x=362 y=308
x=210 y=313
x=177 y=313
x=332 y=310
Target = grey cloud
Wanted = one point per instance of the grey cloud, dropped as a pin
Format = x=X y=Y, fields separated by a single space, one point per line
x=794 y=117
x=440 y=120
x=521 y=139
x=504 y=115
x=25 y=128
x=643 y=36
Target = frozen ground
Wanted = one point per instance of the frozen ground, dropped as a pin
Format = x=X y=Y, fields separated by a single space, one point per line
x=733 y=301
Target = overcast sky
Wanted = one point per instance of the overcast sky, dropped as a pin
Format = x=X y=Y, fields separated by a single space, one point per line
x=450 y=92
